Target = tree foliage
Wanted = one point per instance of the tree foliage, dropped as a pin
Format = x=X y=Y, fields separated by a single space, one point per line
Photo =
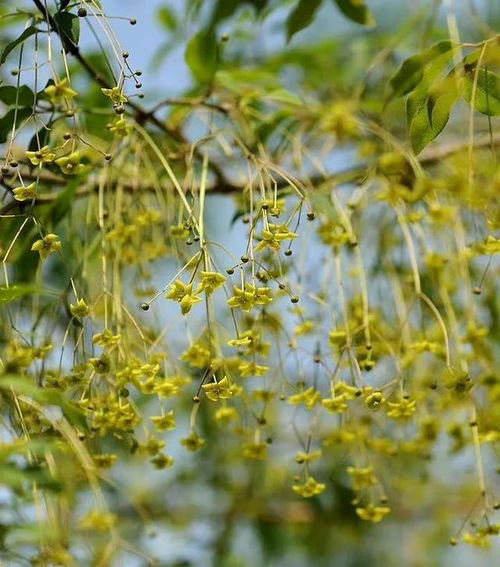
x=264 y=309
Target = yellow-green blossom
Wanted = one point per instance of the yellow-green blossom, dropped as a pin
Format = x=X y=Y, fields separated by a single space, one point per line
x=193 y=442
x=273 y=235
x=43 y=155
x=70 y=164
x=25 y=193
x=80 y=309
x=216 y=391
x=120 y=127
x=184 y=295
x=309 y=488
x=115 y=94
x=402 y=409
x=98 y=520
x=164 y=422
x=48 y=244
x=373 y=513
x=210 y=281
x=60 y=91
x=255 y=451
x=362 y=477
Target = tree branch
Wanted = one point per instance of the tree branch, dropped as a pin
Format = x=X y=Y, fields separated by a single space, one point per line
x=355 y=174
x=141 y=114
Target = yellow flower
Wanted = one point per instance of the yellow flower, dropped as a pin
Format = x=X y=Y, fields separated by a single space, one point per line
x=197 y=355
x=184 y=295
x=240 y=343
x=152 y=446
x=336 y=404
x=193 y=442
x=210 y=281
x=310 y=488
x=98 y=520
x=479 y=539
x=216 y=391
x=164 y=422
x=273 y=236
x=179 y=232
x=349 y=392
x=263 y=395
x=372 y=513
x=43 y=155
x=309 y=397
x=304 y=328
x=337 y=338
x=104 y=460
x=427 y=346
x=252 y=342
x=340 y=117
x=249 y=296
x=242 y=299
x=302 y=457
x=25 y=193
x=166 y=388
x=80 y=309
x=48 y=244
x=255 y=451
x=106 y=339
x=115 y=94
x=225 y=415
x=247 y=369
x=162 y=461
x=375 y=400
x=490 y=246
x=362 y=477
x=70 y=164
x=120 y=127
x=60 y=91
x=402 y=409
x=334 y=234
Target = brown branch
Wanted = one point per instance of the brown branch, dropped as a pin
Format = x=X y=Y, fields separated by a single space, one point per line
x=355 y=174
x=141 y=114
x=222 y=109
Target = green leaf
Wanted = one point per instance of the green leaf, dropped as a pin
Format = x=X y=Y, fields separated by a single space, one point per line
x=13 y=116
x=22 y=96
x=487 y=91
x=28 y=32
x=68 y=27
x=301 y=16
x=14 y=477
x=356 y=11
x=226 y=8
x=432 y=116
x=247 y=80
x=167 y=18
x=202 y=55
x=284 y=96
x=432 y=72
x=45 y=397
x=408 y=76
x=8 y=294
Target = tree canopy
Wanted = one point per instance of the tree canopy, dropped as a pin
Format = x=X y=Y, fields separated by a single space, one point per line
x=256 y=321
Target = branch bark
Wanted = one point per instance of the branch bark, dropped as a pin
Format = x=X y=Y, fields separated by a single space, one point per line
x=355 y=174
